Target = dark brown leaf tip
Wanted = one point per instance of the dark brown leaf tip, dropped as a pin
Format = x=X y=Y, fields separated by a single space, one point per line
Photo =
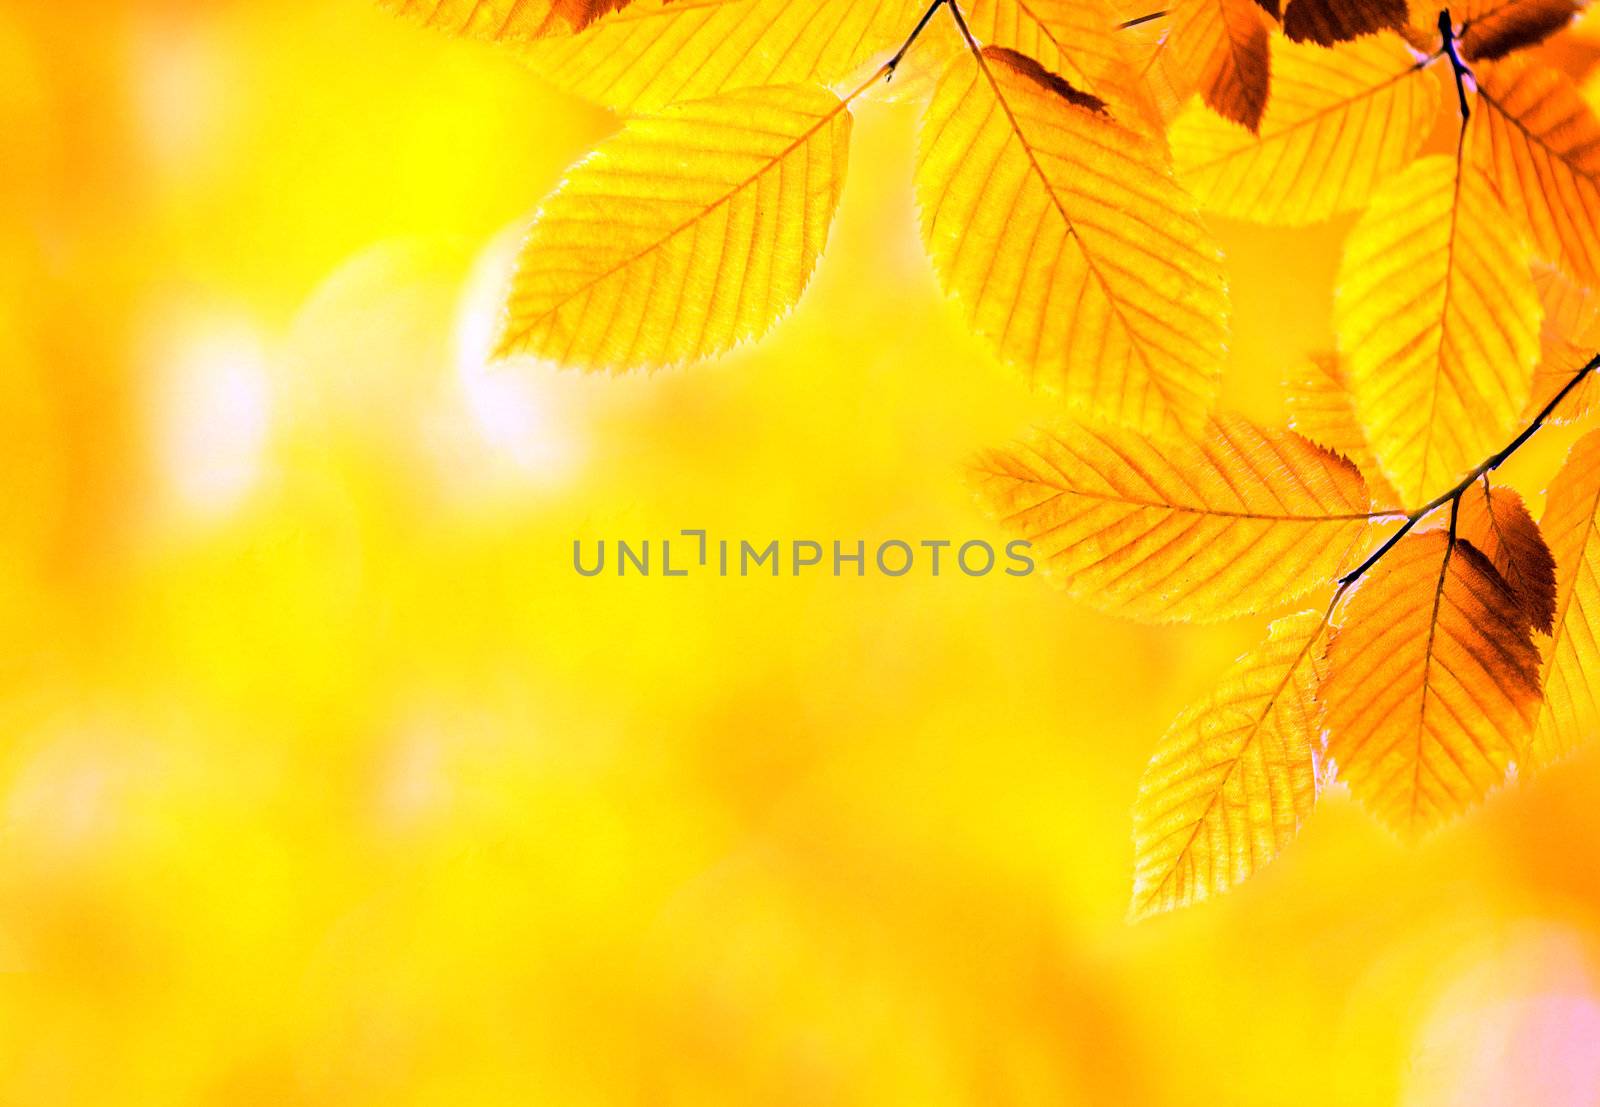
x=1329 y=22
x=1021 y=63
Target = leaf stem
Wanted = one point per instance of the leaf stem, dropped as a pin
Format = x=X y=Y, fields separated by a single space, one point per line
x=1483 y=469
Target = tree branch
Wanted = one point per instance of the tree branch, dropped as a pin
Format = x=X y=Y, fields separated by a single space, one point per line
x=1448 y=32
x=1487 y=466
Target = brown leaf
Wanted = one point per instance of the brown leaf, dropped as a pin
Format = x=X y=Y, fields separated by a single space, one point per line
x=1222 y=46
x=1497 y=522
x=1494 y=28
x=1326 y=22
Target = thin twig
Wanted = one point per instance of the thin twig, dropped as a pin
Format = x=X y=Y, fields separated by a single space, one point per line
x=916 y=32
x=1489 y=465
x=1149 y=17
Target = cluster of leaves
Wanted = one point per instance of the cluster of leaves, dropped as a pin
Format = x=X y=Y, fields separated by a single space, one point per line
x=1067 y=154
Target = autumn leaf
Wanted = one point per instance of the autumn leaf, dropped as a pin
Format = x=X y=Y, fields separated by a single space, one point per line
x=1326 y=22
x=1560 y=361
x=1321 y=409
x=1541 y=144
x=1497 y=523
x=1077 y=39
x=1570 y=714
x=658 y=52
x=1069 y=244
x=1438 y=324
x=1234 y=776
x=1339 y=123
x=505 y=20
x=1432 y=683
x=1571 y=311
x=684 y=234
x=1494 y=28
x=1229 y=522
x=1222 y=44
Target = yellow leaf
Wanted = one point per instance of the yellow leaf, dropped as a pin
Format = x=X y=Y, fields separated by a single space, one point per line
x=1571 y=712
x=1069 y=245
x=658 y=52
x=1432 y=683
x=1497 y=523
x=1234 y=776
x=1338 y=124
x=684 y=234
x=1321 y=409
x=1079 y=40
x=504 y=20
x=1326 y=22
x=1229 y=522
x=1438 y=324
x=1494 y=28
x=1221 y=45
x=1541 y=144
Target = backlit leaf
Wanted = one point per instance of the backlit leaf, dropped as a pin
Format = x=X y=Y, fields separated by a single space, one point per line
x=1541 y=144
x=1432 y=683
x=1338 y=124
x=1069 y=245
x=1438 y=324
x=683 y=234
x=1077 y=39
x=1497 y=523
x=1233 y=521
x=1221 y=45
x=1326 y=22
x=505 y=20
x=657 y=52
x=1570 y=310
x=1494 y=28
x=1321 y=409
x=1571 y=712
x=1569 y=338
x=1234 y=776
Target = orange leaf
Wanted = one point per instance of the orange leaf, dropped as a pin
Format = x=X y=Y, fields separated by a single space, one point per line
x=1221 y=45
x=1497 y=522
x=1432 y=683
x=1541 y=144
x=1069 y=244
x=1203 y=526
x=1571 y=712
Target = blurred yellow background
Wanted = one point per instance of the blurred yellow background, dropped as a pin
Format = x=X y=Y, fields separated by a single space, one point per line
x=325 y=780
